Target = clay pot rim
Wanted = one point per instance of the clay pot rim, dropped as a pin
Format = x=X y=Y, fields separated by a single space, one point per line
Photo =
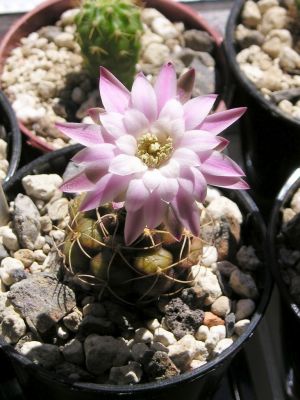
x=249 y=87
x=22 y=25
x=246 y=204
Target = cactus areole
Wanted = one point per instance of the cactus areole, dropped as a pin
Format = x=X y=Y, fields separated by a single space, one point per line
x=148 y=159
x=108 y=33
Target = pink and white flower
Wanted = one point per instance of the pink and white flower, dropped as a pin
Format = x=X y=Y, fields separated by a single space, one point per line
x=154 y=149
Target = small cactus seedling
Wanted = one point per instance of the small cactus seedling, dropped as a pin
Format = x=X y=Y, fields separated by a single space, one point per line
x=155 y=264
x=108 y=32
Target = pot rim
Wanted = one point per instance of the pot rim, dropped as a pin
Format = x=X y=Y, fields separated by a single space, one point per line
x=246 y=203
x=248 y=86
x=282 y=199
x=189 y=15
x=15 y=142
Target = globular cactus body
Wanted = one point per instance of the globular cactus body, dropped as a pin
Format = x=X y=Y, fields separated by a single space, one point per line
x=108 y=32
x=155 y=264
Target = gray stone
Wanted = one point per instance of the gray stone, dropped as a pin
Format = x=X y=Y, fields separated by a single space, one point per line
x=229 y=324
x=72 y=372
x=104 y=352
x=158 y=366
x=244 y=309
x=181 y=320
x=26 y=219
x=45 y=355
x=12 y=327
x=73 y=352
x=247 y=258
x=138 y=350
x=42 y=299
x=198 y=40
x=91 y=324
x=243 y=284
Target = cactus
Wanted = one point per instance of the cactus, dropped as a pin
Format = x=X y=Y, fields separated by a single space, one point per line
x=108 y=32
x=155 y=264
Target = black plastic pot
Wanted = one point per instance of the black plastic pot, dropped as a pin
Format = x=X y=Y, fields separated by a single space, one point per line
x=290 y=310
x=12 y=135
x=41 y=384
x=270 y=139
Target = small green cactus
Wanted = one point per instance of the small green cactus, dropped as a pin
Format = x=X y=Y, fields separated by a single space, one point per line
x=108 y=32
x=94 y=251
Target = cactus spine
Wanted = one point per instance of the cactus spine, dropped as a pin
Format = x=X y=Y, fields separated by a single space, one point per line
x=155 y=264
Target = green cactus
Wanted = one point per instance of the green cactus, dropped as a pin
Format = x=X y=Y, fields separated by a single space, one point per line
x=108 y=32
x=155 y=264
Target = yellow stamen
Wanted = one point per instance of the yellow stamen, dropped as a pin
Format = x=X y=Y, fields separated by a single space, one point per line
x=154 y=151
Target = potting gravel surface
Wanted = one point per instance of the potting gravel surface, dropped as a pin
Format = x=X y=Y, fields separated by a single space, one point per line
x=50 y=84
x=268 y=39
x=82 y=335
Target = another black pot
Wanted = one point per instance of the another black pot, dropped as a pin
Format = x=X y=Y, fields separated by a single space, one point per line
x=290 y=310
x=270 y=139
x=12 y=135
x=202 y=383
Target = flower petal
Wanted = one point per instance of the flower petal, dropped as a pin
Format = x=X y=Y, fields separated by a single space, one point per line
x=220 y=165
x=198 y=141
x=114 y=95
x=152 y=179
x=127 y=144
x=172 y=109
x=135 y=122
x=78 y=183
x=187 y=211
x=195 y=110
x=186 y=157
x=227 y=182
x=172 y=223
x=165 y=85
x=124 y=164
x=134 y=225
x=170 y=169
x=168 y=189
x=143 y=97
x=113 y=124
x=193 y=182
x=185 y=85
x=154 y=210
x=136 y=195
x=217 y=122
x=86 y=134
x=94 y=113
x=102 y=153
x=106 y=190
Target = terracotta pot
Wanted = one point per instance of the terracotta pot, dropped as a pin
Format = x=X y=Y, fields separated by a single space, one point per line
x=49 y=12
x=13 y=135
x=270 y=138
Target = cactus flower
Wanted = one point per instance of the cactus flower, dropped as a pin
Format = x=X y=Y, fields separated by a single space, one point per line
x=154 y=149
